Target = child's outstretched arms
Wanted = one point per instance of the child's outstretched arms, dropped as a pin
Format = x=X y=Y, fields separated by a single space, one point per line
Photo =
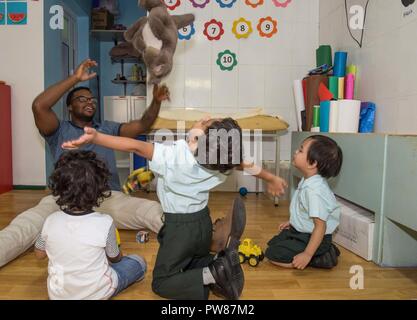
x=276 y=185
x=144 y=149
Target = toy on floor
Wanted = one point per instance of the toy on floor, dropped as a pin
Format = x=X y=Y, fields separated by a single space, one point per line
x=250 y=252
x=142 y=236
x=243 y=191
x=118 y=238
x=155 y=36
x=137 y=180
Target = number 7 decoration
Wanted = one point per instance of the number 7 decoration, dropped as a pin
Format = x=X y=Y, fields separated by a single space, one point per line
x=213 y=30
x=267 y=27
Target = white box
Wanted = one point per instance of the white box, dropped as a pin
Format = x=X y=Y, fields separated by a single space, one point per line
x=356 y=229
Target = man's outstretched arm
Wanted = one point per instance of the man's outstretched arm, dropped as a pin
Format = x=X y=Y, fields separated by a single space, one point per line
x=137 y=127
x=45 y=118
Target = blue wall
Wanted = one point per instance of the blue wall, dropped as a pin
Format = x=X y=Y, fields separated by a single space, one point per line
x=86 y=45
x=130 y=12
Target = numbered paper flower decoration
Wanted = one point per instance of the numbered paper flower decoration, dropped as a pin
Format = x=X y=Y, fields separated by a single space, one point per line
x=213 y=30
x=172 y=4
x=226 y=60
x=281 y=3
x=267 y=27
x=226 y=3
x=187 y=32
x=242 y=28
x=254 y=3
x=199 y=3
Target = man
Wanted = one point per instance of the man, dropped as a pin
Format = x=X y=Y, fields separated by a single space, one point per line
x=128 y=212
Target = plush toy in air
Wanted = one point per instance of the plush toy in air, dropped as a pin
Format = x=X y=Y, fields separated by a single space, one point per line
x=155 y=37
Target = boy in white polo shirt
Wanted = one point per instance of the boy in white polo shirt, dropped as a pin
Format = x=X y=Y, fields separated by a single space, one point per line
x=85 y=261
x=306 y=240
x=186 y=172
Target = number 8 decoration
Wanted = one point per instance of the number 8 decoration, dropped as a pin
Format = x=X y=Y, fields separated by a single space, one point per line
x=213 y=30
x=267 y=27
x=226 y=60
x=281 y=3
x=172 y=4
x=254 y=3
x=242 y=28
x=187 y=32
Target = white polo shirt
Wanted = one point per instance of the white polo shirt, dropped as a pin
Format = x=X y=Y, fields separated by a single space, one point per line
x=183 y=185
x=314 y=199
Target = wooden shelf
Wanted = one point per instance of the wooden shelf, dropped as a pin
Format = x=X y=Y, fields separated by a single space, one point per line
x=109 y=35
x=129 y=59
x=128 y=82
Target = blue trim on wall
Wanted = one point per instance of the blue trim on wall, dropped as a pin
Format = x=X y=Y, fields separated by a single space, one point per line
x=86 y=47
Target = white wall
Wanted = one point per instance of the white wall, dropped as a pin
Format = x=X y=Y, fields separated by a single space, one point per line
x=22 y=67
x=387 y=61
x=266 y=67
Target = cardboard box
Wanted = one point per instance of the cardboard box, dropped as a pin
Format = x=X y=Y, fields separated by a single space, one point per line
x=356 y=229
x=102 y=20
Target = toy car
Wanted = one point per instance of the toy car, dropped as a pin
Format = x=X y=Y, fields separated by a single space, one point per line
x=250 y=252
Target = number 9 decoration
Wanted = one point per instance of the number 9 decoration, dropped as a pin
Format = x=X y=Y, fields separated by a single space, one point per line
x=187 y=32
x=226 y=60
x=172 y=4
x=213 y=30
x=267 y=27
x=242 y=28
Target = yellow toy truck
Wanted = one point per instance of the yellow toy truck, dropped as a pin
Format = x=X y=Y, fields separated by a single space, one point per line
x=251 y=252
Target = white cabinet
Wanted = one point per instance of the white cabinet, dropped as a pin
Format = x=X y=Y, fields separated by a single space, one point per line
x=124 y=109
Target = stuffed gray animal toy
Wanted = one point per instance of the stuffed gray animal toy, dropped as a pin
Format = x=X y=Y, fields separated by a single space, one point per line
x=156 y=37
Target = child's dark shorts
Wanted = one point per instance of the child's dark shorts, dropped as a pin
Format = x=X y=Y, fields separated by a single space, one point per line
x=289 y=243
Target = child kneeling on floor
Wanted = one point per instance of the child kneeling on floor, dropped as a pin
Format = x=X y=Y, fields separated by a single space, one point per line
x=81 y=242
x=186 y=171
x=306 y=240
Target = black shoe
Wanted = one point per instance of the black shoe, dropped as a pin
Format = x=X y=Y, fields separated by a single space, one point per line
x=228 y=274
x=324 y=261
x=227 y=231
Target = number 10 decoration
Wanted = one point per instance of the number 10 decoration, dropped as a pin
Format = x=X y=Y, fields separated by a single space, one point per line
x=226 y=60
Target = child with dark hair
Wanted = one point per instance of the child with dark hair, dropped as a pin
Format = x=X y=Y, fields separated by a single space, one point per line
x=79 y=241
x=186 y=171
x=306 y=240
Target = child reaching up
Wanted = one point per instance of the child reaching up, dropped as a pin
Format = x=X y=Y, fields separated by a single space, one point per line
x=85 y=261
x=306 y=240
x=186 y=171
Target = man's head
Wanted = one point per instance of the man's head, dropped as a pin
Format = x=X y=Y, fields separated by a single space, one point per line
x=218 y=143
x=80 y=181
x=81 y=104
x=319 y=154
